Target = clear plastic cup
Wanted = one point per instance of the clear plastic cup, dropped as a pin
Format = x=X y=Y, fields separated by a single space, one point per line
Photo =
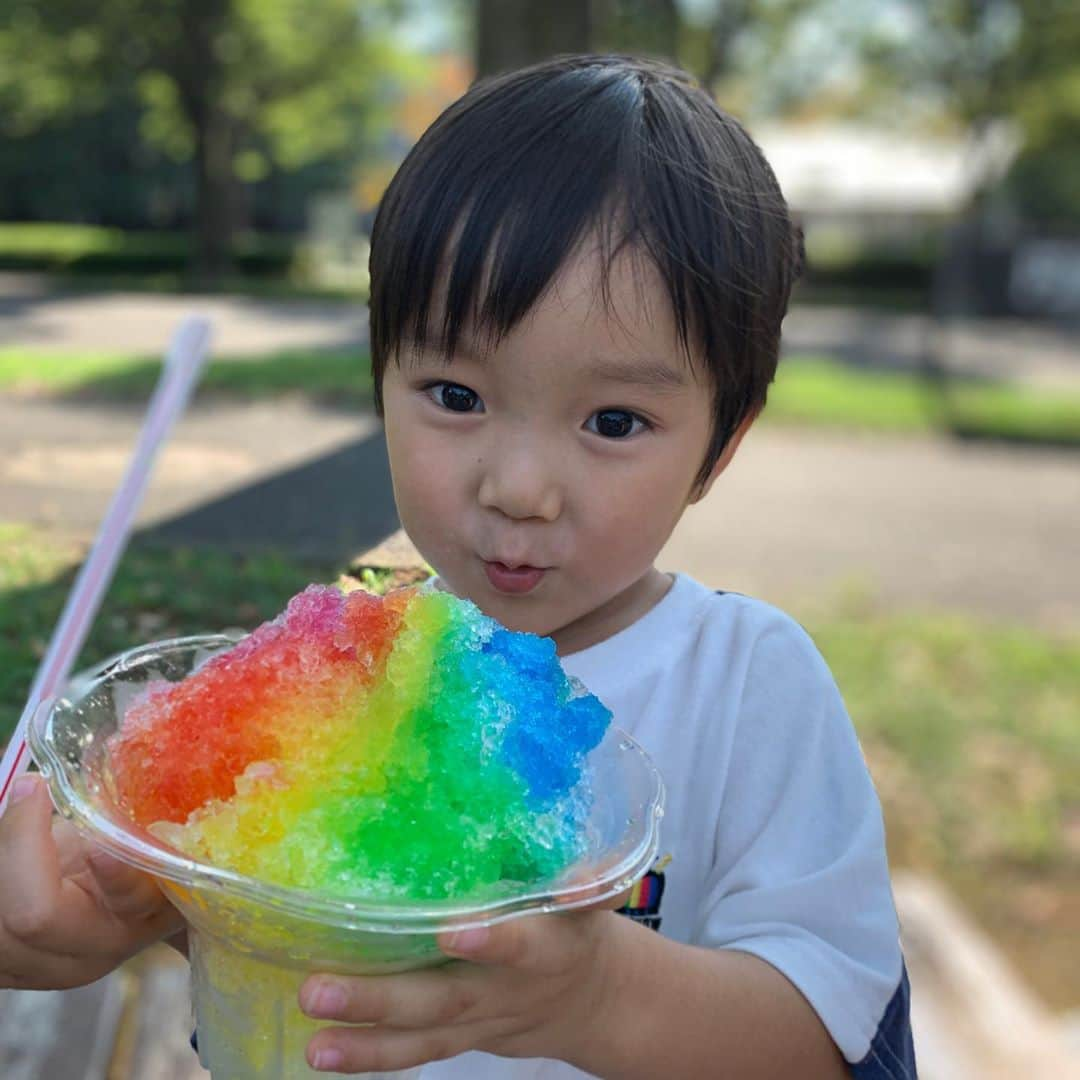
x=251 y=943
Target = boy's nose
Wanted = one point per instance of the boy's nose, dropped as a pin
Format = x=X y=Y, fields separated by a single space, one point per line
x=519 y=484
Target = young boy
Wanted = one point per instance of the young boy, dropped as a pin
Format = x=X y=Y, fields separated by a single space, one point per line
x=578 y=280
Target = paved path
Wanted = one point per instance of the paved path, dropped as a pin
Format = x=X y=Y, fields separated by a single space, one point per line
x=919 y=522
x=33 y=317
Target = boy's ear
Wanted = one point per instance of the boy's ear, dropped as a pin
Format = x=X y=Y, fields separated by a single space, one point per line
x=724 y=460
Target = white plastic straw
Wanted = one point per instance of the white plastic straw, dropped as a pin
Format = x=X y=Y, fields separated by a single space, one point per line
x=186 y=355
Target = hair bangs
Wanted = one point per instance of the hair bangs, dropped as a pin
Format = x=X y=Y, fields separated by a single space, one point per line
x=489 y=206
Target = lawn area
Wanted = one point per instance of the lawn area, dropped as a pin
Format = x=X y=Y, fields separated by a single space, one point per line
x=820 y=391
x=809 y=391
x=340 y=377
x=970 y=729
x=155 y=595
x=969 y=726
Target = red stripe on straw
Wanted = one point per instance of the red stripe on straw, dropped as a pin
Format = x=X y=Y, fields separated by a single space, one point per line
x=187 y=352
x=15 y=770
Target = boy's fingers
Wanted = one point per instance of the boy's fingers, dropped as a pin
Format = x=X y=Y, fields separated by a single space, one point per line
x=414 y=999
x=30 y=877
x=127 y=892
x=378 y=1050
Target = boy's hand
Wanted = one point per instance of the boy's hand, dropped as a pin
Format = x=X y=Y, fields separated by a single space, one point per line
x=531 y=989
x=69 y=913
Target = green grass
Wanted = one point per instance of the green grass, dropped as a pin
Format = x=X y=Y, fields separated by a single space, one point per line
x=809 y=391
x=816 y=390
x=341 y=377
x=56 y=246
x=822 y=392
x=970 y=730
x=95 y=258
x=63 y=242
x=972 y=723
x=156 y=594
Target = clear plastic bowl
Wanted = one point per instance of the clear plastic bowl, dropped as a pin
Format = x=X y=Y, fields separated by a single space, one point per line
x=251 y=943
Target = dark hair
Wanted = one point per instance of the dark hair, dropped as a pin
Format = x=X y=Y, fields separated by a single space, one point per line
x=508 y=181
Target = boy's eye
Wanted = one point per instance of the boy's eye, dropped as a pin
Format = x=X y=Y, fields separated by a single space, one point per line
x=616 y=423
x=454 y=396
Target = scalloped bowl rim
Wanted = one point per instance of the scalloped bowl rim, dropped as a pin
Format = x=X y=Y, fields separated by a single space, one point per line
x=399 y=917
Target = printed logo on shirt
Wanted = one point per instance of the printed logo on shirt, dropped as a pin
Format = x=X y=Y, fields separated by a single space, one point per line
x=645 y=897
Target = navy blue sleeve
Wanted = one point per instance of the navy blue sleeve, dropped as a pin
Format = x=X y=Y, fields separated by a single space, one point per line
x=892 y=1053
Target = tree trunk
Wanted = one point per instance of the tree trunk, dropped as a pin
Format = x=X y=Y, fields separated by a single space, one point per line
x=200 y=77
x=215 y=191
x=727 y=24
x=514 y=33
x=645 y=27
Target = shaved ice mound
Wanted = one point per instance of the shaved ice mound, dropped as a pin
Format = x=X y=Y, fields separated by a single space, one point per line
x=393 y=748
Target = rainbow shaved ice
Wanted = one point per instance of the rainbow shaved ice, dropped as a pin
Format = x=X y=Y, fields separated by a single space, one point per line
x=404 y=747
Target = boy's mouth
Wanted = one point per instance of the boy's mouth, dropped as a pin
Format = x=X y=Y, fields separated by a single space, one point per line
x=513 y=580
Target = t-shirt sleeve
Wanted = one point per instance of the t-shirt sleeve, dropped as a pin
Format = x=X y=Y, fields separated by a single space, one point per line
x=799 y=876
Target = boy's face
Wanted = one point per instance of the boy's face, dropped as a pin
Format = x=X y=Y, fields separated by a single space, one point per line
x=542 y=478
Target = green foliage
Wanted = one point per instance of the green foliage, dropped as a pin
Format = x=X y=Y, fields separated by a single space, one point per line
x=299 y=85
x=1044 y=181
x=975 y=62
x=244 y=91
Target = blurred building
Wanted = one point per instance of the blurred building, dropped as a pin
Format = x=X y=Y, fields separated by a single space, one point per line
x=847 y=173
x=871 y=196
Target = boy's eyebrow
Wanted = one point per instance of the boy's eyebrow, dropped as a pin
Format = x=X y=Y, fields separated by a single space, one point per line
x=638 y=370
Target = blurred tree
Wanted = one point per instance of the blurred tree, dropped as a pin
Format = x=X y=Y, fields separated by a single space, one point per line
x=1044 y=103
x=233 y=85
x=652 y=27
x=985 y=61
x=700 y=35
x=514 y=33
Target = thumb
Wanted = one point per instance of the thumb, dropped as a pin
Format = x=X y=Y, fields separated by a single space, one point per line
x=29 y=865
x=26 y=827
x=28 y=808
x=612 y=903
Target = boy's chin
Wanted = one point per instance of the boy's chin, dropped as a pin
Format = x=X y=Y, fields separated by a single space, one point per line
x=523 y=614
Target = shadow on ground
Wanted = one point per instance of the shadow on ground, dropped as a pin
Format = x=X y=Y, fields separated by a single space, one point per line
x=328 y=509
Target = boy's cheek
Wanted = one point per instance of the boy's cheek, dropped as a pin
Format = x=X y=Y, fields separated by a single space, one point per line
x=423 y=478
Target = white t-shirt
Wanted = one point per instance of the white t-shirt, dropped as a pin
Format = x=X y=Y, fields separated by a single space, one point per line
x=773 y=829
